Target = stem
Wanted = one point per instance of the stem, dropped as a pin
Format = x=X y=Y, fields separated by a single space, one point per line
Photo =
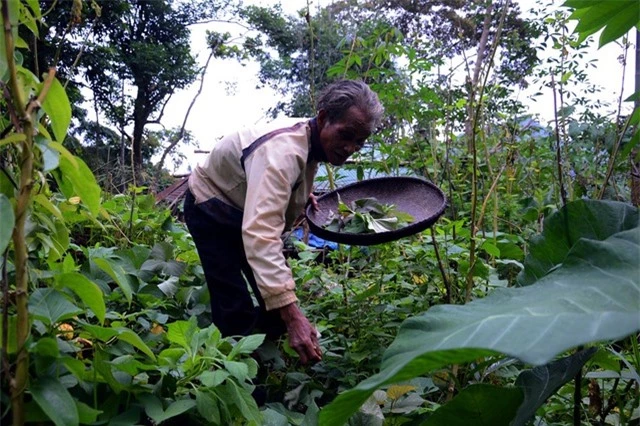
x=577 y=398
x=612 y=159
x=471 y=136
x=18 y=384
x=6 y=367
x=181 y=134
x=563 y=194
x=447 y=284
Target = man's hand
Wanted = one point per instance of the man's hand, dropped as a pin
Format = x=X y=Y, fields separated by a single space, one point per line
x=314 y=201
x=303 y=337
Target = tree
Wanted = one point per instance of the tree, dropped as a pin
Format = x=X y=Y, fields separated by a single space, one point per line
x=131 y=55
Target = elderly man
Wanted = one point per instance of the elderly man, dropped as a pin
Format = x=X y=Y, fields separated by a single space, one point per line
x=250 y=189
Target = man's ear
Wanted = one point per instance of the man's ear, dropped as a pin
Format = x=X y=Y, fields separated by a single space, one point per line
x=322 y=118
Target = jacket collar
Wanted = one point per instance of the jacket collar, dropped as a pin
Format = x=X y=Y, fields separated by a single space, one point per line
x=316 y=153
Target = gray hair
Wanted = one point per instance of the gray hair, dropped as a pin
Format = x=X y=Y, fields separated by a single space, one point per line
x=338 y=97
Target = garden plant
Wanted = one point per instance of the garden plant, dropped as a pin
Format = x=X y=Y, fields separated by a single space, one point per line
x=519 y=306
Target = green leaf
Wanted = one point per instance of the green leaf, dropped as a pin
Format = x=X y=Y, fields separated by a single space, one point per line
x=56 y=105
x=490 y=249
x=246 y=345
x=134 y=340
x=98 y=332
x=86 y=290
x=12 y=138
x=153 y=407
x=46 y=347
x=619 y=25
x=117 y=274
x=43 y=201
x=591 y=297
x=244 y=401
x=596 y=220
x=616 y=17
x=12 y=339
x=55 y=401
x=211 y=379
x=181 y=332
x=478 y=405
x=81 y=180
x=50 y=157
x=239 y=370
x=207 y=406
x=51 y=307
x=541 y=382
x=86 y=414
x=161 y=260
x=6 y=224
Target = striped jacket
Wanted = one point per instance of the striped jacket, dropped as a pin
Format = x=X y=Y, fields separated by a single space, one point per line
x=262 y=176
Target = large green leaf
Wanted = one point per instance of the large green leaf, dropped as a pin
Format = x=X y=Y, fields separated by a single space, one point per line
x=55 y=401
x=161 y=261
x=77 y=180
x=616 y=17
x=595 y=220
x=50 y=306
x=540 y=383
x=7 y=223
x=56 y=105
x=121 y=333
x=478 y=405
x=87 y=291
x=181 y=333
x=117 y=274
x=591 y=297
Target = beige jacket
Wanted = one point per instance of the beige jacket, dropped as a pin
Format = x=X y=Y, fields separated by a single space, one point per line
x=266 y=174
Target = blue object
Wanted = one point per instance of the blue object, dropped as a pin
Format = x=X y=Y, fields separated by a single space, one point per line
x=314 y=240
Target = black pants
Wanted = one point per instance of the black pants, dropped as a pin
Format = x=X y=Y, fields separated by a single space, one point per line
x=216 y=231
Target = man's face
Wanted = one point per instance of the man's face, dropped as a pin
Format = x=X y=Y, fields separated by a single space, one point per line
x=340 y=139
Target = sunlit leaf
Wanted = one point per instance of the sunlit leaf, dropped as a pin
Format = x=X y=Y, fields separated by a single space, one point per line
x=56 y=105
x=80 y=181
x=12 y=138
x=86 y=290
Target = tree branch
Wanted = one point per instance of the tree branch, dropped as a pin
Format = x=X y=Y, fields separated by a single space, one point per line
x=180 y=135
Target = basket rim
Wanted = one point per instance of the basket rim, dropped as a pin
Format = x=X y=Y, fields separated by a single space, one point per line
x=379 y=237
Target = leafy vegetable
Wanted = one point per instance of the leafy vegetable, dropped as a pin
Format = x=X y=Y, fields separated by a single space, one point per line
x=366 y=215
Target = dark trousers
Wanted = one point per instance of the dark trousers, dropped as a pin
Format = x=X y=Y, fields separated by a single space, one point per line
x=216 y=230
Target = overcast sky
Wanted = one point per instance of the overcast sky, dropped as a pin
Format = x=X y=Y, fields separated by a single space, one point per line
x=230 y=99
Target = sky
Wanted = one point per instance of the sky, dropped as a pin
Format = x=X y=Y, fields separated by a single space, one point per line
x=230 y=99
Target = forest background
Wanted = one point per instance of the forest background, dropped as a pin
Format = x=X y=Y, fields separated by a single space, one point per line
x=519 y=306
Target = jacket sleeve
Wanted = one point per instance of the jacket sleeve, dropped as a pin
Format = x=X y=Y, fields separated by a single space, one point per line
x=271 y=175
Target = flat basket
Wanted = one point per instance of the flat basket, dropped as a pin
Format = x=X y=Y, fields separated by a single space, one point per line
x=420 y=198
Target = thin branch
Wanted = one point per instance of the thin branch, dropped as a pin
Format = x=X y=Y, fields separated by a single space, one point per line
x=445 y=280
x=180 y=135
x=563 y=193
